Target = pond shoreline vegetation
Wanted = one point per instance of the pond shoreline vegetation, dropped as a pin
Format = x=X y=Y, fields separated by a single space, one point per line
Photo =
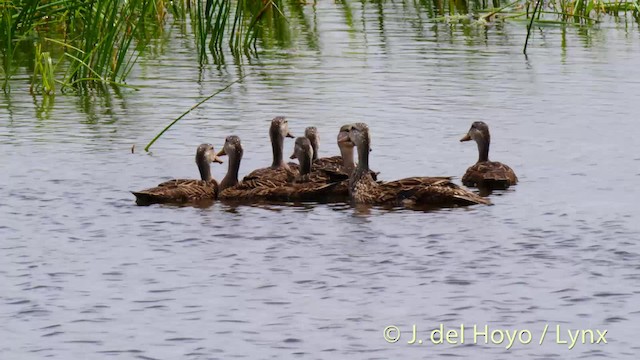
x=77 y=46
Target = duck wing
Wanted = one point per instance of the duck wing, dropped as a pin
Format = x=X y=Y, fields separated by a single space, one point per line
x=437 y=191
x=492 y=174
x=177 y=191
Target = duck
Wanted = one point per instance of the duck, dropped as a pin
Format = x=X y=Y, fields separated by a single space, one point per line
x=328 y=170
x=484 y=173
x=304 y=152
x=408 y=192
x=233 y=148
x=297 y=187
x=279 y=172
x=311 y=133
x=180 y=191
x=340 y=165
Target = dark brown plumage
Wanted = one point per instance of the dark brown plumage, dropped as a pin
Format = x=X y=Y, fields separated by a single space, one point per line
x=279 y=171
x=343 y=163
x=408 y=192
x=335 y=168
x=181 y=191
x=296 y=187
x=484 y=173
x=178 y=191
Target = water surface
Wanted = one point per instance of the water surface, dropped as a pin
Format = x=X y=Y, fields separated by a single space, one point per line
x=87 y=274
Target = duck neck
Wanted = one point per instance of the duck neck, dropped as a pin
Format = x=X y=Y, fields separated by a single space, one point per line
x=483 y=149
x=362 y=169
x=305 y=165
x=277 y=143
x=315 y=146
x=231 y=179
x=363 y=156
x=347 y=158
x=205 y=170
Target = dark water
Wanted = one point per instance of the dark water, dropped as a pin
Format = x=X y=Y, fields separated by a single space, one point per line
x=85 y=274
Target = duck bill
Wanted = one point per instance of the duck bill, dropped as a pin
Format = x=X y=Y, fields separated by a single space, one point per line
x=343 y=138
x=289 y=135
x=217 y=159
x=221 y=153
x=465 y=138
x=293 y=156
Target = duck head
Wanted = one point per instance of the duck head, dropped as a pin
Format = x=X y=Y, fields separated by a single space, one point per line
x=346 y=147
x=343 y=136
x=359 y=135
x=204 y=156
x=344 y=141
x=207 y=154
x=232 y=147
x=303 y=151
x=279 y=128
x=479 y=132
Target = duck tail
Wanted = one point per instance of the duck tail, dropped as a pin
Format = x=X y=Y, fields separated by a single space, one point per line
x=144 y=198
x=472 y=199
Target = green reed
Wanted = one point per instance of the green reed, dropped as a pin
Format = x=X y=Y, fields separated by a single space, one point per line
x=99 y=41
x=45 y=71
x=15 y=26
x=78 y=45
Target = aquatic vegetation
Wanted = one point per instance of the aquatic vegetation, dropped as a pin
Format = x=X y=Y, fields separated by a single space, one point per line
x=77 y=45
x=93 y=38
x=44 y=70
x=98 y=42
x=146 y=148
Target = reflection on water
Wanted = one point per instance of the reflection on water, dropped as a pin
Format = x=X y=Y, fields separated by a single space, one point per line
x=88 y=274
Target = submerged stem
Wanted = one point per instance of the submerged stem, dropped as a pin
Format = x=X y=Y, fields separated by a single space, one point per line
x=533 y=15
x=191 y=109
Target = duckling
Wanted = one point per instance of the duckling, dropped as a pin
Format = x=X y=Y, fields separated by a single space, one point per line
x=298 y=187
x=484 y=173
x=408 y=192
x=279 y=171
x=185 y=190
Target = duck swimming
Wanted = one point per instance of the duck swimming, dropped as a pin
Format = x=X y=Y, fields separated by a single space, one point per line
x=408 y=192
x=340 y=166
x=484 y=173
x=311 y=133
x=180 y=191
x=279 y=171
x=297 y=187
x=341 y=163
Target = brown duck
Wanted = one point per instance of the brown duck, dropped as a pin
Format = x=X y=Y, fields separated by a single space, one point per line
x=486 y=174
x=342 y=163
x=297 y=187
x=279 y=171
x=340 y=166
x=408 y=192
x=181 y=191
